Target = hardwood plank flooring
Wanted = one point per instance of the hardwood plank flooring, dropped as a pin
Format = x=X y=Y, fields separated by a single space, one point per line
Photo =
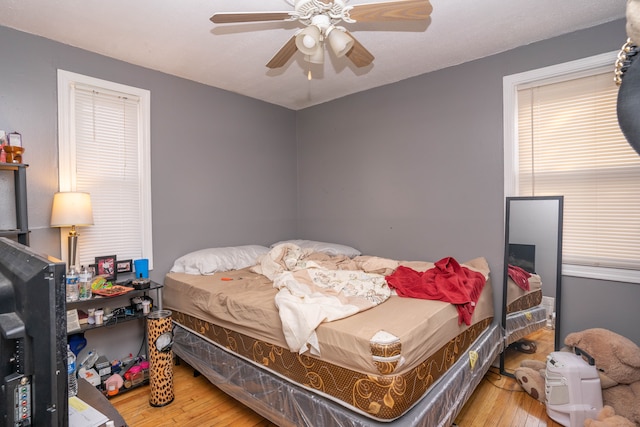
x=498 y=401
x=197 y=403
x=543 y=337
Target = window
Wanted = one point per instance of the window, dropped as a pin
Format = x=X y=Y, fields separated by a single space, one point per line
x=562 y=138
x=104 y=149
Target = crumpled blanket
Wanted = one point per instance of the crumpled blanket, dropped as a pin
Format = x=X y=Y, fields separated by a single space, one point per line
x=519 y=276
x=290 y=257
x=316 y=288
x=446 y=281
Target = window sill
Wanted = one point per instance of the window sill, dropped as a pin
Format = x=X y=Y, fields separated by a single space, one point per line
x=601 y=273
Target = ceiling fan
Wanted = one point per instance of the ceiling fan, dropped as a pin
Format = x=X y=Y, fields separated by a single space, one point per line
x=321 y=19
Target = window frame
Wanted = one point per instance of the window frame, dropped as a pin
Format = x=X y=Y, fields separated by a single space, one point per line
x=67 y=150
x=551 y=74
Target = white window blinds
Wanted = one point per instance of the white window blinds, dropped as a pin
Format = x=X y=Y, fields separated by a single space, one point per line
x=106 y=153
x=569 y=143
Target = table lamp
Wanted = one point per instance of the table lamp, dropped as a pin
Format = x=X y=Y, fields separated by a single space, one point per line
x=71 y=209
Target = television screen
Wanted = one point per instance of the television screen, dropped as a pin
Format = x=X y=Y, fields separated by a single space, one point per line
x=523 y=256
x=33 y=343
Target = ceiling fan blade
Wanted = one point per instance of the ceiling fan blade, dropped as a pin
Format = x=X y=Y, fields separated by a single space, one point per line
x=284 y=54
x=400 y=10
x=236 y=17
x=358 y=54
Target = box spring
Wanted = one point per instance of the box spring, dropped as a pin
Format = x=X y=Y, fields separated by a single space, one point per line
x=258 y=381
x=384 y=397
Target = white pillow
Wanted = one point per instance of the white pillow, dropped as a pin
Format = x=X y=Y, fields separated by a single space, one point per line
x=327 y=248
x=208 y=261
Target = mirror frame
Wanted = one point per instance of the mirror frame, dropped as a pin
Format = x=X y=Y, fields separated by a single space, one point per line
x=558 y=296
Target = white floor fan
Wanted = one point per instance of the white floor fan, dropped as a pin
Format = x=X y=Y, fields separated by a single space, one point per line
x=321 y=18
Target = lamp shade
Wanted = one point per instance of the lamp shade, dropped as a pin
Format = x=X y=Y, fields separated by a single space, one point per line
x=317 y=57
x=71 y=208
x=340 y=42
x=308 y=40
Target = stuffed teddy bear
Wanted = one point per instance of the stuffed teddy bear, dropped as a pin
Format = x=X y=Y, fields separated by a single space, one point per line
x=607 y=418
x=618 y=362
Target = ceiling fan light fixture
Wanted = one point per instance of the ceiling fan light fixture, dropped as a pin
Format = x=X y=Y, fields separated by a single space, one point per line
x=340 y=42
x=308 y=40
x=321 y=18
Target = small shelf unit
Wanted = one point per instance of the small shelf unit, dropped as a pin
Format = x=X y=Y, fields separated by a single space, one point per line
x=21 y=232
x=98 y=301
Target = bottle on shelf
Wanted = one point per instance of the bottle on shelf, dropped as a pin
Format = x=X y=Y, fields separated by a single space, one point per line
x=84 y=280
x=90 y=360
x=72 y=284
x=71 y=372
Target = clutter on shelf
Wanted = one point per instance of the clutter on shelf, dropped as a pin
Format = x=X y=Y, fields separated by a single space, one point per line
x=116 y=376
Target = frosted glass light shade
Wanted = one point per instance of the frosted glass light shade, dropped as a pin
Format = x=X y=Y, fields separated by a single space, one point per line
x=307 y=40
x=317 y=57
x=340 y=42
x=71 y=208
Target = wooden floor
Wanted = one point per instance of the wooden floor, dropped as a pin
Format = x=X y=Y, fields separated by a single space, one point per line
x=544 y=339
x=197 y=403
x=498 y=401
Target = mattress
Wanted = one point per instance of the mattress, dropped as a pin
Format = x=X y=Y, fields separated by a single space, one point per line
x=525 y=314
x=518 y=299
x=378 y=363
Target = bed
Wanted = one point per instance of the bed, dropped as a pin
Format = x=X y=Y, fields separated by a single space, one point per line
x=404 y=361
x=525 y=311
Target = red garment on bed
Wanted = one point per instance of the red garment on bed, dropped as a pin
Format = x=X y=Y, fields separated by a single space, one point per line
x=519 y=276
x=447 y=281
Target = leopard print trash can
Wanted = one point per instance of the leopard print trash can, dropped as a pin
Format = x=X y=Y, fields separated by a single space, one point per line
x=160 y=359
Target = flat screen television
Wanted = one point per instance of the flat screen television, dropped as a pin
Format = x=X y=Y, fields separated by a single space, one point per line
x=523 y=256
x=33 y=340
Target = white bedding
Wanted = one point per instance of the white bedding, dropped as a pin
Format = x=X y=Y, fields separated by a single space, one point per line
x=310 y=293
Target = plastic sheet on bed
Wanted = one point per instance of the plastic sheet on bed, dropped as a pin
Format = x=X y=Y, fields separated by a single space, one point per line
x=287 y=404
x=522 y=323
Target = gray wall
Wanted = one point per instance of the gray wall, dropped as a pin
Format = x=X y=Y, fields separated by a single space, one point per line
x=414 y=170
x=590 y=303
x=223 y=165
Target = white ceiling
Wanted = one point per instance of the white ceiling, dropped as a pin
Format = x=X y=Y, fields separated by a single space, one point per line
x=177 y=37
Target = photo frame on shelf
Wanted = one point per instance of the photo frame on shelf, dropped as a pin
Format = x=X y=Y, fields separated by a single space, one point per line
x=106 y=266
x=124 y=266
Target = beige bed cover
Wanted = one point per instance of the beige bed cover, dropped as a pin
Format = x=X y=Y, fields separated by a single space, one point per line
x=244 y=302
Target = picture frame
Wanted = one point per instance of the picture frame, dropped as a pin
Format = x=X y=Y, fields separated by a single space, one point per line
x=124 y=266
x=106 y=266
